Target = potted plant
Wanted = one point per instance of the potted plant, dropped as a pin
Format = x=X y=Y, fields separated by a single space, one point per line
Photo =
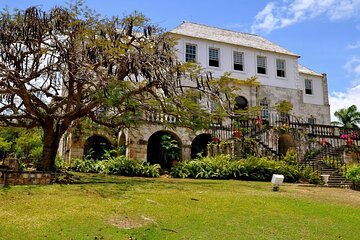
x=171 y=149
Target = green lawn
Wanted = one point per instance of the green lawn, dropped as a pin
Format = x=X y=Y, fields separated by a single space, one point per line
x=139 y=208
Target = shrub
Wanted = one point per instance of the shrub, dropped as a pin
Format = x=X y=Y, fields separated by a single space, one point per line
x=354 y=174
x=251 y=168
x=119 y=165
x=83 y=165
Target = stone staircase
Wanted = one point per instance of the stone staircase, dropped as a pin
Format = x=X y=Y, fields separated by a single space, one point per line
x=266 y=147
x=316 y=162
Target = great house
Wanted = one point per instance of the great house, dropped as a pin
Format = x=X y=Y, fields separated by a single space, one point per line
x=220 y=51
x=245 y=55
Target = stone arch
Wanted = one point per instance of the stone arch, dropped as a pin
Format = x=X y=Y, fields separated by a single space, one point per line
x=156 y=153
x=96 y=145
x=199 y=145
x=241 y=103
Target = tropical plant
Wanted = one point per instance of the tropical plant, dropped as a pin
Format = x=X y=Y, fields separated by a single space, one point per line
x=251 y=168
x=115 y=165
x=347 y=117
x=170 y=146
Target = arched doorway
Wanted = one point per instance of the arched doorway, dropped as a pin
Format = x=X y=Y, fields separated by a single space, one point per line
x=241 y=103
x=163 y=148
x=199 y=145
x=95 y=146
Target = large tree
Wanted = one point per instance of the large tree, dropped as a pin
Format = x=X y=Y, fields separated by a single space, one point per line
x=68 y=63
x=347 y=117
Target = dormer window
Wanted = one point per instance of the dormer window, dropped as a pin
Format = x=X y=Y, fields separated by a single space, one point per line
x=214 y=57
x=261 y=65
x=190 y=53
x=238 y=61
x=280 y=68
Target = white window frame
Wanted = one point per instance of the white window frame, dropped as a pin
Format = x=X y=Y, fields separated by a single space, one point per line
x=194 y=54
x=214 y=58
x=309 y=86
x=311 y=120
x=238 y=60
x=283 y=116
x=265 y=110
x=280 y=67
x=261 y=66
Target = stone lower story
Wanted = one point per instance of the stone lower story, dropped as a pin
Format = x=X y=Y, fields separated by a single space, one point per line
x=141 y=144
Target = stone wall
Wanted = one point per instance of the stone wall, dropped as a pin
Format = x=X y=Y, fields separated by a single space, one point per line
x=24 y=178
x=273 y=95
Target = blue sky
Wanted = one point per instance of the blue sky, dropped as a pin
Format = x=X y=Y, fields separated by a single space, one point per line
x=325 y=33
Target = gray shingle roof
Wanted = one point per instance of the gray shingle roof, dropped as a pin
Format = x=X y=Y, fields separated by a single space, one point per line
x=227 y=36
x=305 y=70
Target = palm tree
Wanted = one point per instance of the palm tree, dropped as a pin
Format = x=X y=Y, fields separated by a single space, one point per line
x=347 y=117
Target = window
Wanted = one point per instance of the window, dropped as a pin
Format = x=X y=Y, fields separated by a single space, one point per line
x=283 y=116
x=190 y=53
x=312 y=120
x=308 y=87
x=261 y=65
x=238 y=61
x=280 y=68
x=214 y=56
x=241 y=103
x=264 y=110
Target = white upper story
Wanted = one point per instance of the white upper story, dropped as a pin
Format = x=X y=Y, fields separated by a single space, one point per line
x=246 y=55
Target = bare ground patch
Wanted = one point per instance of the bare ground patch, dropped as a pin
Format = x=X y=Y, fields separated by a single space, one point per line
x=125 y=222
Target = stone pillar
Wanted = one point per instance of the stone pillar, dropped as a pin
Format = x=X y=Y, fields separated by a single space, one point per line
x=137 y=150
x=76 y=149
x=185 y=152
x=326 y=98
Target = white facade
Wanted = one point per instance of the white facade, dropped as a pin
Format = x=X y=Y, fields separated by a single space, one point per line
x=280 y=75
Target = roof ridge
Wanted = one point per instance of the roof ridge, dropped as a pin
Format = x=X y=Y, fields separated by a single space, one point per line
x=307 y=68
x=234 y=34
x=224 y=29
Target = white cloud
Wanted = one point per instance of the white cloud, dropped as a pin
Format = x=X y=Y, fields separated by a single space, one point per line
x=354 y=46
x=344 y=100
x=351 y=95
x=353 y=68
x=281 y=14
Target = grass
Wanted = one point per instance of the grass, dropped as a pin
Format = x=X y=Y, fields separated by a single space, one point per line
x=140 y=208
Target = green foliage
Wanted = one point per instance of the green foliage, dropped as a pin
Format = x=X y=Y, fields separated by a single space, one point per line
x=347 y=117
x=251 y=168
x=290 y=157
x=25 y=144
x=170 y=146
x=83 y=165
x=5 y=146
x=354 y=174
x=29 y=144
x=60 y=163
x=283 y=107
x=118 y=165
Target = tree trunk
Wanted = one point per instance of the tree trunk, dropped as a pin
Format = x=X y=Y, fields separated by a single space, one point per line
x=51 y=142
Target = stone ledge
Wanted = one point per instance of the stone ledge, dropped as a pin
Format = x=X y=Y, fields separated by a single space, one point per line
x=25 y=178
